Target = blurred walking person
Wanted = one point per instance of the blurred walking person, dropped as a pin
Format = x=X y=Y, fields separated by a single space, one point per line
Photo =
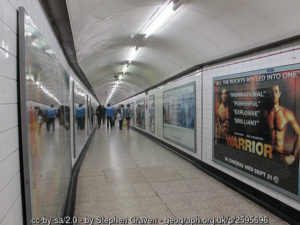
x=109 y=111
x=99 y=114
x=51 y=114
x=80 y=116
x=103 y=114
x=122 y=115
x=128 y=115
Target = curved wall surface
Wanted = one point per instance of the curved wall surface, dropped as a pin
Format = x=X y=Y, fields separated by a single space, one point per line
x=10 y=188
x=235 y=122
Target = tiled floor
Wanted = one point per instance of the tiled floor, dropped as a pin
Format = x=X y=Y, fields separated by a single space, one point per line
x=124 y=174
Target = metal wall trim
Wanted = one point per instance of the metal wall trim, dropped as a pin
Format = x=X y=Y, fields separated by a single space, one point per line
x=22 y=121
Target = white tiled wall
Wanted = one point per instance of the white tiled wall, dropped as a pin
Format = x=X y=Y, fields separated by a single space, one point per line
x=10 y=187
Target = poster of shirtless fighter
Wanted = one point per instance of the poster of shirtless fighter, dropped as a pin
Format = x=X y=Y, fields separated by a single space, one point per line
x=257 y=126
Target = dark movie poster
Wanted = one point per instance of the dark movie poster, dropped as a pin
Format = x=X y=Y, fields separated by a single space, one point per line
x=256 y=125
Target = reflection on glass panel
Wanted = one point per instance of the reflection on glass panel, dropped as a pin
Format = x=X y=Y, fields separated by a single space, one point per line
x=133 y=114
x=140 y=113
x=95 y=115
x=79 y=118
x=151 y=113
x=90 y=115
x=48 y=113
x=179 y=115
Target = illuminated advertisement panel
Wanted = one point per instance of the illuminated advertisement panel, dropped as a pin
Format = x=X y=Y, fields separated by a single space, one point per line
x=151 y=107
x=256 y=126
x=179 y=115
x=140 y=113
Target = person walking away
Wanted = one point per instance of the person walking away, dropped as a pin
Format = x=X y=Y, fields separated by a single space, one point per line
x=115 y=116
x=80 y=116
x=99 y=115
x=103 y=114
x=119 y=118
x=51 y=113
x=128 y=115
x=109 y=111
x=40 y=118
x=122 y=115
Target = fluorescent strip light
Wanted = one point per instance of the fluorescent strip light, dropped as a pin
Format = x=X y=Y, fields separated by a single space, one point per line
x=163 y=14
x=112 y=92
x=132 y=54
x=125 y=67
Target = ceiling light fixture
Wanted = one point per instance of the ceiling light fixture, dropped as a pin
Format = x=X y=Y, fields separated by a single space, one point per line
x=113 y=90
x=124 y=69
x=158 y=19
x=132 y=54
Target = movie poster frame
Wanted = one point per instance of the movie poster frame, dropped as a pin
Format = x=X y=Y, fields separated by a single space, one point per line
x=137 y=102
x=232 y=168
x=154 y=111
x=133 y=113
x=195 y=116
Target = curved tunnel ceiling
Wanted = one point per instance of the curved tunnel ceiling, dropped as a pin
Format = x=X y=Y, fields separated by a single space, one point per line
x=199 y=31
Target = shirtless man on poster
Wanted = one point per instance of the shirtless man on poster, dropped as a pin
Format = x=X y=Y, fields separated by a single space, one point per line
x=278 y=118
x=222 y=116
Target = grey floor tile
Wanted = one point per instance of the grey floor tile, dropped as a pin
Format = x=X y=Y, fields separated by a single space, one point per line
x=91 y=172
x=160 y=173
x=91 y=180
x=170 y=187
x=191 y=173
x=143 y=189
x=123 y=175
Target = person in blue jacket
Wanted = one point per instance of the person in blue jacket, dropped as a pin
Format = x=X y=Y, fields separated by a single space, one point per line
x=50 y=118
x=80 y=117
x=109 y=111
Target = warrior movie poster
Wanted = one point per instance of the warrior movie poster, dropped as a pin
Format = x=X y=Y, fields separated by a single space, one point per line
x=256 y=125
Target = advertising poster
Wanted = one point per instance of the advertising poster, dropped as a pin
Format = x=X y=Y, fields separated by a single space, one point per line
x=133 y=114
x=151 y=103
x=140 y=113
x=179 y=115
x=256 y=125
